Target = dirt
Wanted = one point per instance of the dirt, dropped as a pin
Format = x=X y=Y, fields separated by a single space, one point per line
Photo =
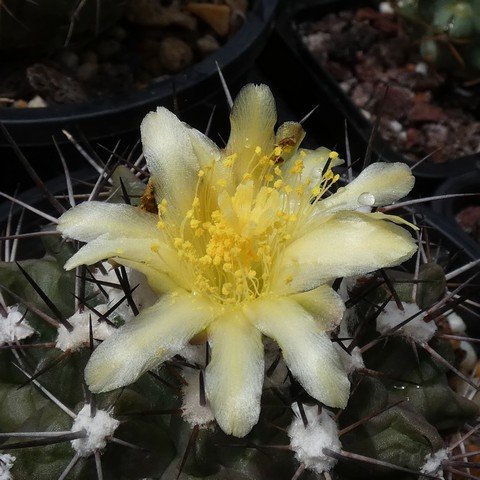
x=156 y=38
x=469 y=220
x=424 y=112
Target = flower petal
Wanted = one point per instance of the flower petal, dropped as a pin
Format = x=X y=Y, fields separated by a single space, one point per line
x=252 y=119
x=313 y=162
x=379 y=184
x=89 y=220
x=170 y=158
x=307 y=350
x=137 y=249
x=157 y=334
x=349 y=243
x=324 y=304
x=234 y=376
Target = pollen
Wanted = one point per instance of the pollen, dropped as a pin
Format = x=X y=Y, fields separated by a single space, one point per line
x=230 y=240
x=333 y=155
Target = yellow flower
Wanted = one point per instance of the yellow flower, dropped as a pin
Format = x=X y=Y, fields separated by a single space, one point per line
x=246 y=243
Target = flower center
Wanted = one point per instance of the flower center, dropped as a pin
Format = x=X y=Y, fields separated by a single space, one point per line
x=232 y=237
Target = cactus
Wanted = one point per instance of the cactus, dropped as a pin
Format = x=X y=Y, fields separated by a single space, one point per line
x=449 y=32
x=396 y=340
x=29 y=26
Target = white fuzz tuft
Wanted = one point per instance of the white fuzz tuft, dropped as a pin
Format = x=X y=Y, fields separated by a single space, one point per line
x=192 y=411
x=99 y=428
x=456 y=324
x=79 y=337
x=352 y=361
x=415 y=329
x=386 y=7
x=308 y=443
x=433 y=462
x=13 y=328
x=6 y=463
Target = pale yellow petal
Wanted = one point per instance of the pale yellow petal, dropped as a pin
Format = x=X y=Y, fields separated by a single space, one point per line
x=105 y=247
x=379 y=184
x=159 y=281
x=307 y=350
x=89 y=220
x=252 y=120
x=308 y=164
x=234 y=375
x=170 y=158
x=350 y=243
x=324 y=304
x=157 y=334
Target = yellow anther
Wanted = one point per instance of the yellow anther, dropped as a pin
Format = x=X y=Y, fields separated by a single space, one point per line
x=206 y=260
x=278 y=184
x=333 y=155
x=229 y=161
x=227 y=267
x=160 y=225
x=316 y=191
x=278 y=171
x=288 y=189
x=258 y=150
x=269 y=177
x=297 y=167
x=189 y=214
x=200 y=173
x=199 y=232
x=277 y=151
x=227 y=289
x=177 y=242
x=251 y=274
x=194 y=223
x=196 y=202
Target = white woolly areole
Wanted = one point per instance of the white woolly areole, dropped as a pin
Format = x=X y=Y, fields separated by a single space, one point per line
x=415 y=329
x=6 y=463
x=433 y=462
x=99 y=428
x=308 y=443
x=12 y=329
x=352 y=361
x=80 y=335
x=143 y=295
x=192 y=411
x=456 y=324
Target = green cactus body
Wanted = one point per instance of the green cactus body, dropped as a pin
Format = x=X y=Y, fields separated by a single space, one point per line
x=449 y=32
x=48 y=25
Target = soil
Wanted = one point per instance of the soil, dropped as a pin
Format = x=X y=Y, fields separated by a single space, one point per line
x=469 y=220
x=423 y=111
x=156 y=39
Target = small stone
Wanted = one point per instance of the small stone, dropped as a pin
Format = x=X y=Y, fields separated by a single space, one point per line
x=207 y=44
x=20 y=104
x=396 y=102
x=175 y=54
x=362 y=94
x=217 y=16
x=151 y=13
x=108 y=48
x=119 y=33
x=426 y=112
x=87 y=71
x=69 y=59
x=89 y=57
x=37 y=102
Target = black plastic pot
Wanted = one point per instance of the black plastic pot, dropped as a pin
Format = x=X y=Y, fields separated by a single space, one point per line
x=327 y=89
x=117 y=115
x=450 y=207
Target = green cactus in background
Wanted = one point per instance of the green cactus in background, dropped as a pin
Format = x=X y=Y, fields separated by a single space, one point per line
x=403 y=420
x=449 y=32
x=48 y=25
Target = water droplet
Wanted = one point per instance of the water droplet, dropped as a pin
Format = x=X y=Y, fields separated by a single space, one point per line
x=366 y=199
